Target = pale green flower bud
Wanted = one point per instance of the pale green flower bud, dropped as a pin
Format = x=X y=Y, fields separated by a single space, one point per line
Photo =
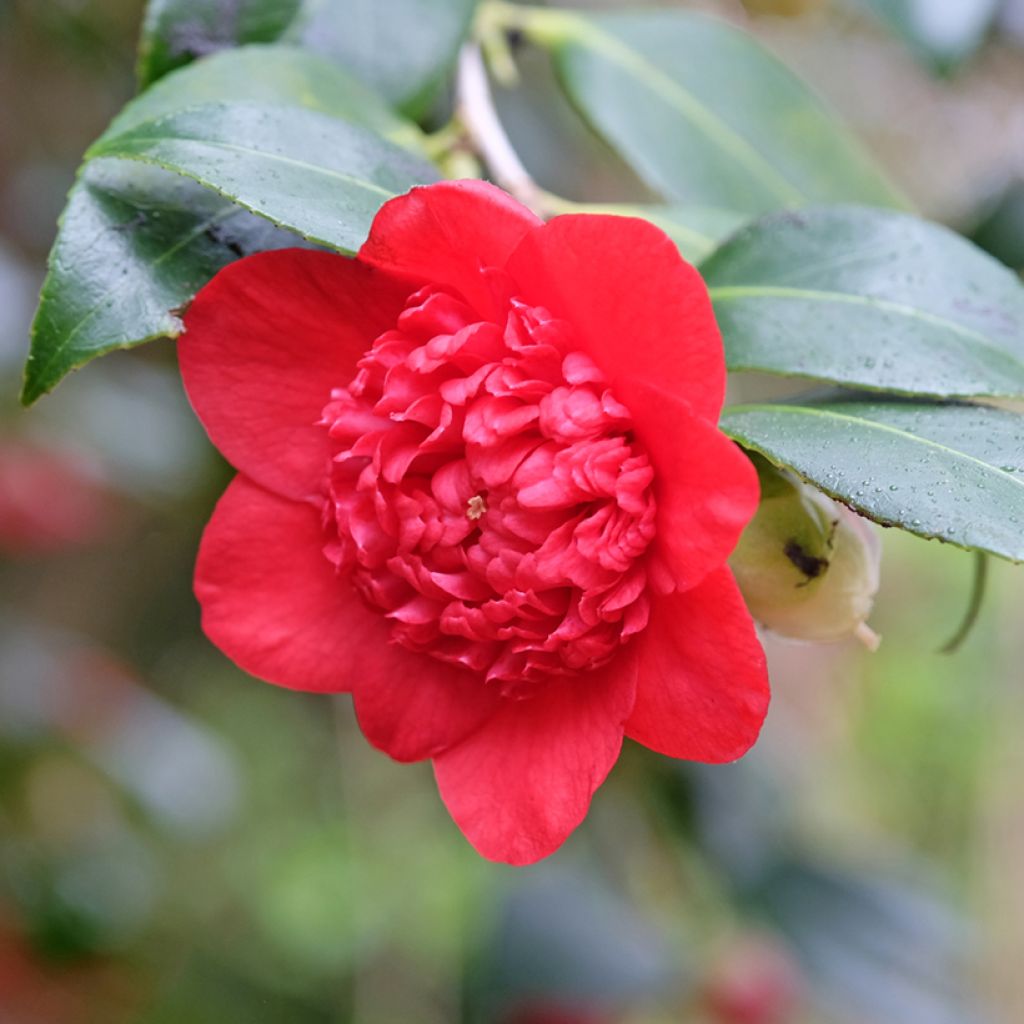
x=808 y=567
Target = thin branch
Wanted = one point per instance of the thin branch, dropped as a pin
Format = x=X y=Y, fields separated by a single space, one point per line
x=476 y=111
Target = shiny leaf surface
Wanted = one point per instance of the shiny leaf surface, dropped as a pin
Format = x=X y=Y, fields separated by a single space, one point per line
x=705 y=115
x=401 y=48
x=136 y=242
x=175 y=32
x=869 y=298
x=305 y=171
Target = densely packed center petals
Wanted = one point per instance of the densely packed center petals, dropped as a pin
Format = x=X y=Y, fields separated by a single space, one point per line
x=487 y=495
x=482 y=489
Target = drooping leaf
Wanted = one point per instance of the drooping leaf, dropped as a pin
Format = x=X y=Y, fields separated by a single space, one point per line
x=869 y=298
x=696 y=230
x=941 y=33
x=951 y=471
x=136 y=242
x=305 y=171
x=176 y=32
x=402 y=48
x=705 y=115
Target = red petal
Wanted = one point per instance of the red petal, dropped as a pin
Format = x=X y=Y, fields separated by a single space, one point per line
x=640 y=311
x=520 y=784
x=276 y=606
x=707 y=489
x=264 y=343
x=271 y=601
x=702 y=691
x=446 y=233
x=413 y=706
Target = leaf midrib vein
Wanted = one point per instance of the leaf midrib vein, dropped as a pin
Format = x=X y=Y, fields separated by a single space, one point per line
x=692 y=109
x=798 y=410
x=725 y=293
x=144 y=153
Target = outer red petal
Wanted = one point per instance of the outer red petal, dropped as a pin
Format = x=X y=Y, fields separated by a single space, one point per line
x=639 y=310
x=707 y=489
x=264 y=343
x=413 y=706
x=276 y=606
x=519 y=785
x=702 y=691
x=271 y=601
x=446 y=233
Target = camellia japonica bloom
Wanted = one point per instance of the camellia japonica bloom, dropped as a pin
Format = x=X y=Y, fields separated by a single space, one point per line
x=481 y=488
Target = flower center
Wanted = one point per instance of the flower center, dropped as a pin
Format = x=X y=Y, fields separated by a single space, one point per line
x=486 y=493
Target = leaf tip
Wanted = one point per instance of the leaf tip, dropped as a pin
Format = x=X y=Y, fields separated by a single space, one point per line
x=31 y=391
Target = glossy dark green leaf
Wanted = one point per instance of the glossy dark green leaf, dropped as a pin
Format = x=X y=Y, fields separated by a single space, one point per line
x=267 y=74
x=951 y=471
x=869 y=298
x=176 y=32
x=305 y=171
x=402 y=48
x=696 y=230
x=703 y=114
x=941 y=33
x=136 y=242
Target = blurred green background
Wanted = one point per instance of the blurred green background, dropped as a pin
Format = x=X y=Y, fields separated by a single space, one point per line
x=180 y=844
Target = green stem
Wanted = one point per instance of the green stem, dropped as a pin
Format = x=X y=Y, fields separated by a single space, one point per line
x=489 y=51
x=544 y=26
x=978 y=587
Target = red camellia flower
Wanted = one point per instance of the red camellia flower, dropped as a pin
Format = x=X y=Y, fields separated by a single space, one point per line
x=481 y=488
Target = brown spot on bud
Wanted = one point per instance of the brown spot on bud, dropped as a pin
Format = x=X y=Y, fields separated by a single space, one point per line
x=810 y=565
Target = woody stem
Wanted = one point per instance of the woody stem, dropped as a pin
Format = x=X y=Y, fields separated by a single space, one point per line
x=476 y=110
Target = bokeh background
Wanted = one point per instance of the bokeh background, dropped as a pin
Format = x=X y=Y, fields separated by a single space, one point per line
x=180 y=844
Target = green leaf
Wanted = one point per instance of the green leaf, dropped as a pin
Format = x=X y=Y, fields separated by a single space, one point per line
x=402 y=48
x=951 y=471
x=175 y=32
x=702 y=113
x=136 y=242
x=302 y=170
x=267 y=74
x=941 y=33
x=696 y=230
x=870 y=298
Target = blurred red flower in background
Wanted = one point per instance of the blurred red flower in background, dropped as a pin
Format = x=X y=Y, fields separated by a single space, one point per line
x=50 y=499
x=754 y=981
x=481 y=488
